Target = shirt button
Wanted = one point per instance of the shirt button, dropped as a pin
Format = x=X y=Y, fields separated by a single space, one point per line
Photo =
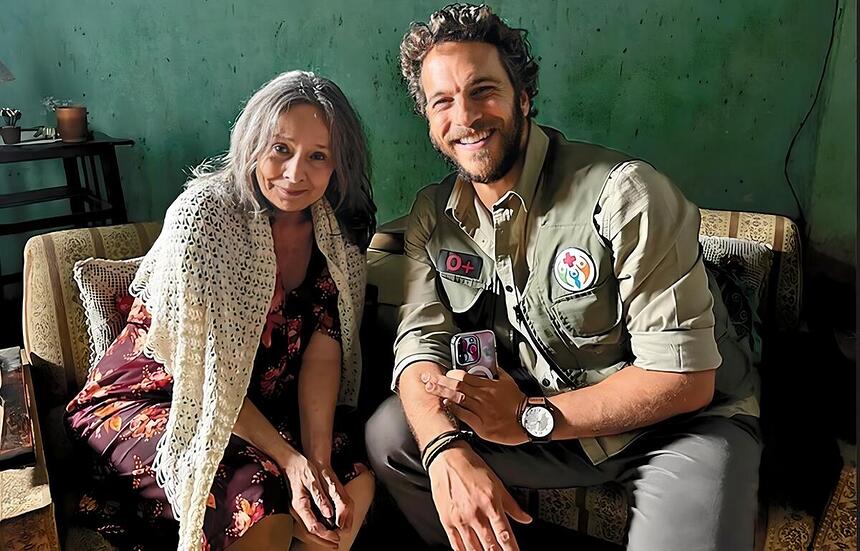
x=545 y=382
x=509 y=289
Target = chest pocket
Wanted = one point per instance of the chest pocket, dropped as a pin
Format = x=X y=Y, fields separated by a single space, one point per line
x=583 y=318
x=591 y=317
x=462 y=292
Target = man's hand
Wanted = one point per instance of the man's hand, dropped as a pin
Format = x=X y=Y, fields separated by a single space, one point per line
x=488 y=406
x=472 y=502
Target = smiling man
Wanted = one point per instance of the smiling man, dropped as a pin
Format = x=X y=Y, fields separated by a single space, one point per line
x=586 y=265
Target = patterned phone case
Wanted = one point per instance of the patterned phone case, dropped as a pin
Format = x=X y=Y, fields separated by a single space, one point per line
x=475 y=352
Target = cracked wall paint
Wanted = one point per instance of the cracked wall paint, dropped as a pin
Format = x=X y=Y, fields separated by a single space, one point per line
x=709 y=92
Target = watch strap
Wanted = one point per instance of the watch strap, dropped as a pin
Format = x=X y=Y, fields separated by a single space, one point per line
x=536 y=401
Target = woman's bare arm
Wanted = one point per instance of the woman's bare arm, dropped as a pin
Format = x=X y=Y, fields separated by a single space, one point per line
x=319 y=382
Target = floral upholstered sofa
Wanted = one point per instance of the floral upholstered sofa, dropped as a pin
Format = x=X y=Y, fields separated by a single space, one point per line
x=58 y=345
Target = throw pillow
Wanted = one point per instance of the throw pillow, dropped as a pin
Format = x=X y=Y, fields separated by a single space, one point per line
x=105 y=298
x=741 y=268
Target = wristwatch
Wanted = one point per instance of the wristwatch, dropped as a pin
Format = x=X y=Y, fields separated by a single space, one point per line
x=537 y=419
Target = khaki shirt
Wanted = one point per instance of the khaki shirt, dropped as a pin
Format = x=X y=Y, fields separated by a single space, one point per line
x=663 y=285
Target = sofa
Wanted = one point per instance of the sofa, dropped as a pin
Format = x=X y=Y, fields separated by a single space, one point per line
x=56 y=342
x=602 y=511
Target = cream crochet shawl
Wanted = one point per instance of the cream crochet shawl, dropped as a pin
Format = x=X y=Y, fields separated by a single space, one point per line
x=208 y=283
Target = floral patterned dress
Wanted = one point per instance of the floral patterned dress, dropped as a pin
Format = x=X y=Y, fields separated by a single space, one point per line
x=122 y=411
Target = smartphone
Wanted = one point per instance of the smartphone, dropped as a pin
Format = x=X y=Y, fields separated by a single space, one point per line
x=329 y=523
x=475 y=352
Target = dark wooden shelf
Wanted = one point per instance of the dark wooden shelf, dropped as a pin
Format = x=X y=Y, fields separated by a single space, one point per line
x=60 y=150
x=11 y=279
x=76 y=219
x=93 y=188
x=49 y=194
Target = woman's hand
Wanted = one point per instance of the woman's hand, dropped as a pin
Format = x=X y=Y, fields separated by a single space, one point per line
x=339 y=497
x=311 y=484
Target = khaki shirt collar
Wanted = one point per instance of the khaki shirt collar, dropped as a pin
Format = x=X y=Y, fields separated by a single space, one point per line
x=461 y=203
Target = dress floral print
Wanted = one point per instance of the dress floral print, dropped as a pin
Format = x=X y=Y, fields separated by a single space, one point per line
x=123 y=409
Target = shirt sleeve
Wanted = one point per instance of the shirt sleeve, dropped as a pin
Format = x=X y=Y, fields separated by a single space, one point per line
x=425 y=323
x=653 y=230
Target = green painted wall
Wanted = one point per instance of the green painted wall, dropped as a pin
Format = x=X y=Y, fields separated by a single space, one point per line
x=710 y=91
x=832 y=194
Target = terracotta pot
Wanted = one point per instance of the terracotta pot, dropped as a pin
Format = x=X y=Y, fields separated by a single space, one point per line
x=72 y=123
x=10 y=134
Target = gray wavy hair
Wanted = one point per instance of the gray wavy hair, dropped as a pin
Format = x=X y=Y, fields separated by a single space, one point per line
x=349 y=190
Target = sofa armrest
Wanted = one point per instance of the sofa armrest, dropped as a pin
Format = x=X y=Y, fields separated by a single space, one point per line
x=785 y=283
x=54 y=324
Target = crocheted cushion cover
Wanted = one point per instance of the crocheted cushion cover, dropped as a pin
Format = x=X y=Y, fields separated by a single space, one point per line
x=741 y=268
x=104 y=286
x=749 y=261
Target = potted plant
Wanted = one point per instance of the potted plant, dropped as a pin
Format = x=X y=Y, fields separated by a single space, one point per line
x=11 y=132
x=71 y=119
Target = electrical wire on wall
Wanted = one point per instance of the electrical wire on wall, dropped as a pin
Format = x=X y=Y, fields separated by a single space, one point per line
x=801 y=221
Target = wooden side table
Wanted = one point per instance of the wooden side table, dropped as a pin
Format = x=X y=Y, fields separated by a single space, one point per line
x=93 y=187
x=27 y=520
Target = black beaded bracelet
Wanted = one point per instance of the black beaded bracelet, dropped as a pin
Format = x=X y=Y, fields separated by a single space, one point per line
x=438 y=444
x=439 y=437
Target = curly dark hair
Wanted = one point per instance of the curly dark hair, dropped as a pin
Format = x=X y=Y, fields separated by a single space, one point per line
x=468 y=23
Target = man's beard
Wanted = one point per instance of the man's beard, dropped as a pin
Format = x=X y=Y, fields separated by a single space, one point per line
x=510 y=153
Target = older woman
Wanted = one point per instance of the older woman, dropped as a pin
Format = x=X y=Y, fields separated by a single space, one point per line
x=216 y=403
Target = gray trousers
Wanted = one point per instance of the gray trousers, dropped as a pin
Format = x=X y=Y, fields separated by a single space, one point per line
x=693 y=482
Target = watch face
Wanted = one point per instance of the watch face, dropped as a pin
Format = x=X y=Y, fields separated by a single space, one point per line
x=538 y=421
